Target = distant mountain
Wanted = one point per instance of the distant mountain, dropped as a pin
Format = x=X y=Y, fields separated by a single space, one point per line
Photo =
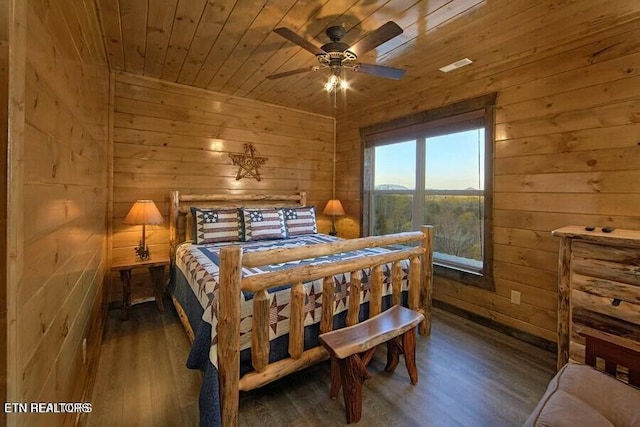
x=390 y=187
x=402 y=187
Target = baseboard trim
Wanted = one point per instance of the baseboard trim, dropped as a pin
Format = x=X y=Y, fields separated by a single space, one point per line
x=508 y=330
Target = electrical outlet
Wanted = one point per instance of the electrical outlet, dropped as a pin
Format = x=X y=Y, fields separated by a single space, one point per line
x=515 y=297
x=84 y=351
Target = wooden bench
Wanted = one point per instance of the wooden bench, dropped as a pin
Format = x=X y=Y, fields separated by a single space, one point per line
x=352 y=348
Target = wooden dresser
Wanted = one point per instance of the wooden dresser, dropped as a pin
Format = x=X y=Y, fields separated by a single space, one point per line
x=598 y=287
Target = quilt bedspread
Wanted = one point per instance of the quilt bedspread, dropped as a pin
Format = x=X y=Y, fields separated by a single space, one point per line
x=199 y=265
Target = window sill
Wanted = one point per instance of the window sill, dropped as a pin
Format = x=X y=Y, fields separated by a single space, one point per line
x=466 y=277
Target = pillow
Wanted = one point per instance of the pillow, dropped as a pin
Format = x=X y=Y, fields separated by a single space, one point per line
x=216 y=225
x=262 y=224
x=300 y=221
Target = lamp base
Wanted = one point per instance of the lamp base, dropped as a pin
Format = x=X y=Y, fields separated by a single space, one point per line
x=142 y=253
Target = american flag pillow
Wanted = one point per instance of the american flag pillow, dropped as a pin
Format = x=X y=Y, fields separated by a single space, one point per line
x=262 y=224
x=300 y=221
x=216 y=225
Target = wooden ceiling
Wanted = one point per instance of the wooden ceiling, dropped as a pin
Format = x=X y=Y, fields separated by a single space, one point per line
x=229 y=46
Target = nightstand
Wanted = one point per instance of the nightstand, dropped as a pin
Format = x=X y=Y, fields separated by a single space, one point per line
x=156 y=269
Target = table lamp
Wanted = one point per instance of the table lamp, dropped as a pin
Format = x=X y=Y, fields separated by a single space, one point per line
x=143 y=212
x=333 y=208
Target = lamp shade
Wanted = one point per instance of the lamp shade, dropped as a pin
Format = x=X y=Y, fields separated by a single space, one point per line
x=334 y=207
x=143 y=212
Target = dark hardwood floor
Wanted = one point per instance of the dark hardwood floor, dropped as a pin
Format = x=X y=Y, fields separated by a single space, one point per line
x=469 y=376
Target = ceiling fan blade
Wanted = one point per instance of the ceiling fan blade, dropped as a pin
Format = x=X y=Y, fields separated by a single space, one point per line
x=375 y=38
x=292 y=72
x=293 y=37
x=380 y=71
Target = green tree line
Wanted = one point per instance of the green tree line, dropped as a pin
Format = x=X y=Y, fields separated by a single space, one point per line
x=457 y=220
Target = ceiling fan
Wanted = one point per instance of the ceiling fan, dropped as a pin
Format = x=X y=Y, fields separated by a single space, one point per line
x=337 y=55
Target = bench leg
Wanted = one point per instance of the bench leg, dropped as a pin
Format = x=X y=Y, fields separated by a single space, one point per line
x=353 y=373
x=405 y=344
x=409 y=347
x=394 y=350
x=335 y=378
x=365 y=358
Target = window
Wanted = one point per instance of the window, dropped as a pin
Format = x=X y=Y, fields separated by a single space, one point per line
x=435 y=168
x=394 y=188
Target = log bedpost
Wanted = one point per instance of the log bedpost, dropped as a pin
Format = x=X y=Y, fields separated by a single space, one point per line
x=375 y=296
x=396 y=283
x=328 y=298
x=260 y=331
x=229 y=333
x=564 y=301
x=355 y=283
x=427 y=279
x=296 y=321
x=415 y=276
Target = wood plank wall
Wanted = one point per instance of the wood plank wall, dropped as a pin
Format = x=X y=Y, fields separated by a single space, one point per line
x=4 y=103
x=173 y=137
x=567 y=151
x=62 y=180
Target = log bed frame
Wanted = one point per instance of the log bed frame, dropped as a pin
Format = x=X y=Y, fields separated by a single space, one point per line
x=232 y=260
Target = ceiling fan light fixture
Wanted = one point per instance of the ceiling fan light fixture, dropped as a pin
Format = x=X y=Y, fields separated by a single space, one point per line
x=334 y=82
x=338 y=56
x=328 y=86
x=455 y=65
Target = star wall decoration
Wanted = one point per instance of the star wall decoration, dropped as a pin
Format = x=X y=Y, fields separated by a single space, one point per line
x=248 y=162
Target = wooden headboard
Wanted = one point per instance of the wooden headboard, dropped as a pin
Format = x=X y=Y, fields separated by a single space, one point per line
x=180 y=208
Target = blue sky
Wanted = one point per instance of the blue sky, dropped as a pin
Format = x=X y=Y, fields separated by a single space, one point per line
x=452 y=162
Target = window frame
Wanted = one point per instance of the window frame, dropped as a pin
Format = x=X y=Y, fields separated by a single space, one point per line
x=447 y=119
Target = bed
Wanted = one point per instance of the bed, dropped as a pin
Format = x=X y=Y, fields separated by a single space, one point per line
x=253 y=310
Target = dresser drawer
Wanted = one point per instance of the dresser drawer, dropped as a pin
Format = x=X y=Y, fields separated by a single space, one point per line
x=617 y=264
